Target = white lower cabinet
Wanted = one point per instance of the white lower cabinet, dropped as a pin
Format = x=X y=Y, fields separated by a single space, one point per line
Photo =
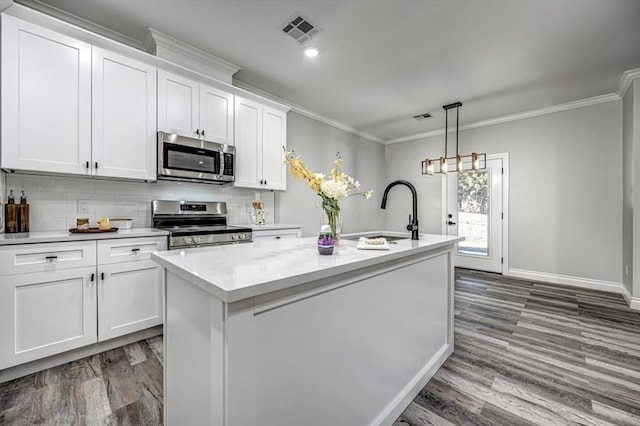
x=129 y=298
x=55 y=297
x=276 y=234
x=45 y=313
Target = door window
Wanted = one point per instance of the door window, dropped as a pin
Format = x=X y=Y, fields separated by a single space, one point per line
x=473 y=212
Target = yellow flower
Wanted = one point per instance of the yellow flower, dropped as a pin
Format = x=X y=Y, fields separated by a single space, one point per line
x=337 y=187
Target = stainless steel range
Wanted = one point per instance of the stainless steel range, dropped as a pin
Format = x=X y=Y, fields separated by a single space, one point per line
x=196 y=224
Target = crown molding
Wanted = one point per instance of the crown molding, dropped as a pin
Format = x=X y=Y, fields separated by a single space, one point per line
x=307 y=113
x=626 y=80
x=157 y=38
x=81 y=22
x=5 y=4
x=518 y=116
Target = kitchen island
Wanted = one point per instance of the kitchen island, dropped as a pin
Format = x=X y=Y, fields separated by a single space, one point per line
x=271 y=333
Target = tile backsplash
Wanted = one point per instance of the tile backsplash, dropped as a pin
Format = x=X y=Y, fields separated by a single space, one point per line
x=54 y=200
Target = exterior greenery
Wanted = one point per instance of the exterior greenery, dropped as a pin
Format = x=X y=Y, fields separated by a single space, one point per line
x=473 y=192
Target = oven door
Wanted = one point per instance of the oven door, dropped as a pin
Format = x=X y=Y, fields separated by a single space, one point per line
x=193 y=159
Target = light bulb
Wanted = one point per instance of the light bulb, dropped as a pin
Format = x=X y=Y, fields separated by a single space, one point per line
x=443 y=165
x=430 y=167
x=475 y=161
x=458 y=163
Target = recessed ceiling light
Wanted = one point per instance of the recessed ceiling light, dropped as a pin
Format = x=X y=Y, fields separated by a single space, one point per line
x=311 y=51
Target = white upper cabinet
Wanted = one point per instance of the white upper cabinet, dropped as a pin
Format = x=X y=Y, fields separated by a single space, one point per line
x=46 y=100
x=216 y=115
x=189 y=108
x=248 y=124
x=124 y=117
x=260 y=134
x=178 y=105
x=274 y=126
x=71 y=108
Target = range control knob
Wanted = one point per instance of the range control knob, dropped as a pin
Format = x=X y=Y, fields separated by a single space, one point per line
x=188 y=240
x=234 y=237
x=196 y=240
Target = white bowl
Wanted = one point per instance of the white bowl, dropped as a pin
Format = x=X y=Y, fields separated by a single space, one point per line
x=121 y=223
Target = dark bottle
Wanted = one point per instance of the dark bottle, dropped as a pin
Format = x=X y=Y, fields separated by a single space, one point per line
x=10 y=215
x=23 y=214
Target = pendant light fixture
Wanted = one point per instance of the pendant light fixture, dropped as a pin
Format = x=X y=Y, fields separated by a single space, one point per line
x=442 y=166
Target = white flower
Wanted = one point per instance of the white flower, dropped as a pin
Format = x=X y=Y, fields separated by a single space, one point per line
x=319 y=175
x=367 y=194
x=336 y=189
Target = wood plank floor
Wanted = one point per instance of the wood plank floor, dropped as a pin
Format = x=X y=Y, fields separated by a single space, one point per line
x=526 y=353
x=122 y=386
x=533 y=353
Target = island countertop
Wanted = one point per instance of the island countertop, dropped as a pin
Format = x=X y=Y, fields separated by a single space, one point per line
x=240 y=271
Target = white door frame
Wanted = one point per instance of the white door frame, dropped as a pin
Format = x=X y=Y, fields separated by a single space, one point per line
x=504 y=156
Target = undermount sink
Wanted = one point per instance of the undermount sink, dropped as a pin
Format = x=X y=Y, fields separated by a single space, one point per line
x=385 y=236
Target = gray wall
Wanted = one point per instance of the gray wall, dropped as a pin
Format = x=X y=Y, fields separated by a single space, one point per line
x=317 y=144
x=565 y=188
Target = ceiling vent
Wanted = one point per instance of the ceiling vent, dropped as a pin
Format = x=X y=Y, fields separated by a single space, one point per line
x=421 y=117
x=300 y=28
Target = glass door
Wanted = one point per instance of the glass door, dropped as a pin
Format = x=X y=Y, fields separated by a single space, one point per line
x=474 y=211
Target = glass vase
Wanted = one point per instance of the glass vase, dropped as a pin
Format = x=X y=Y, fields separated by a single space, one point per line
x=334 y=220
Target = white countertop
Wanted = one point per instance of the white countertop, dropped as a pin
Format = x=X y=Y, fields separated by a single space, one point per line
x=57 y=236
x=236 y=272
x=268 y=226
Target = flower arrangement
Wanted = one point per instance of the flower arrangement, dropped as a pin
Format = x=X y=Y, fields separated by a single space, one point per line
x=337 y=186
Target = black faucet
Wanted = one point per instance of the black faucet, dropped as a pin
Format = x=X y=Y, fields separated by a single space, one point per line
x=413 y=223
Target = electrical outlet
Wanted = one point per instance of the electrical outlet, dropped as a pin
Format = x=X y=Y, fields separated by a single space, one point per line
x=83 y=206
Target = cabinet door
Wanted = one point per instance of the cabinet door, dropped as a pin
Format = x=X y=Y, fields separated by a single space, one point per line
x=46 y=100
x=130 y=297
x=178 y=104
x=274 y=172
x=216 y=115
x=46 y=313
x=124 y=117
x=248 y=141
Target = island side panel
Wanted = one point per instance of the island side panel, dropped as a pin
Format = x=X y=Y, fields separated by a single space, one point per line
x=352 y=354
x=193 y=388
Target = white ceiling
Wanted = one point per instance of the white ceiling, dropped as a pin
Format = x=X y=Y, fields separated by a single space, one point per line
x=384 y=61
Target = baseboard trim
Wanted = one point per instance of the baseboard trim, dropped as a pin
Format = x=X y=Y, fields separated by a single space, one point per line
x=22 y=370
x=633 y=302
x=588 y=283
x=409 y=392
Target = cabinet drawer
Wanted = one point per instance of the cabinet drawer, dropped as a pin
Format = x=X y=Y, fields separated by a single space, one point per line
x=129 y=249
x=276 y=234
x=28 y=258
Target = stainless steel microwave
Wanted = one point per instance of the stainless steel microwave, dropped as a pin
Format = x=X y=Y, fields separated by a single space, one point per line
x=184 y=158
